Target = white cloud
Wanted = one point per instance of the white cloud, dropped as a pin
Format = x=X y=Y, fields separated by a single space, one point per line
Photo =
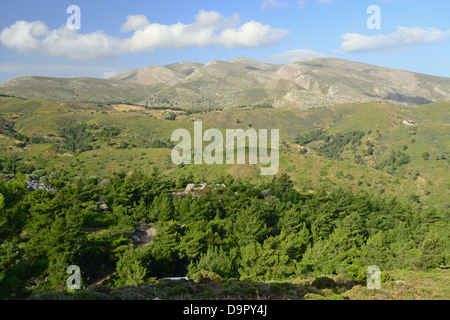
x=252 y=34
x=209 y=29
x=136 y=22
x=214 y=19
x=295 y=55
x=402 y=39
x=22 y=36
x=36 y=37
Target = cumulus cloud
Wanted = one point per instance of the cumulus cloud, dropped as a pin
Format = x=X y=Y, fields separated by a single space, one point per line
x=36 y=37
x=295 y=55
x=252 y=34
x=209 y=29
x=402 y=39
x=135 y=22
x=23 y=36
x=216 y=20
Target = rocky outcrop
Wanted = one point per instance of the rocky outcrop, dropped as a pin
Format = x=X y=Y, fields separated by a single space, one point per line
x=34 y=185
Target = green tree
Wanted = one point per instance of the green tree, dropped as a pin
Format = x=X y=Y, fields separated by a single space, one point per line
x=249 y=226
x=217 y=260
x=130 y=271
x=265 y=261
x=294 y=244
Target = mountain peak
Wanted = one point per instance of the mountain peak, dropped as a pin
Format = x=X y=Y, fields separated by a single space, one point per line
x=311 y=83
x=242 y=60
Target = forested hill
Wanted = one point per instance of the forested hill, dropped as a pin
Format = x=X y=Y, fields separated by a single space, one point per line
x=359 y=185
x=263 y=232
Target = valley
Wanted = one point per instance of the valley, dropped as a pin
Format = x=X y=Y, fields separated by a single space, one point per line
x=139 y=139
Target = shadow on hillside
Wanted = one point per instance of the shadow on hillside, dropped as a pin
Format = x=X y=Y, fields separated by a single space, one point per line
x=323 y=288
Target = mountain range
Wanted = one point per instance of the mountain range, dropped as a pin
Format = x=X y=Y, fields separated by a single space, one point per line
x=306 y=84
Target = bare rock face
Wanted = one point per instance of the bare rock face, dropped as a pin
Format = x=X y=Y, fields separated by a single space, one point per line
x=312 y=83
x=151 y=76
x=34 y=185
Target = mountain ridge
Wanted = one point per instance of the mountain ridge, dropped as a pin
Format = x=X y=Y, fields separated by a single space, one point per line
x=306 y=84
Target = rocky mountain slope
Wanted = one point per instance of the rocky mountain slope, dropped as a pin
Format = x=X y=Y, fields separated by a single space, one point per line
x=305 y=84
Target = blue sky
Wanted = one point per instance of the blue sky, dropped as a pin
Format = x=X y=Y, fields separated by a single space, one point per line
x=120 y=35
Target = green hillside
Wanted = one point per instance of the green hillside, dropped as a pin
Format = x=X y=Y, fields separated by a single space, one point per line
x=93 y=185
x=141 y=132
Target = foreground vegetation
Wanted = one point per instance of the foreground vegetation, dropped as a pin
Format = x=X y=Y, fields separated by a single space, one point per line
x=401 y=285
x=267 y=232
x=356 y=188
